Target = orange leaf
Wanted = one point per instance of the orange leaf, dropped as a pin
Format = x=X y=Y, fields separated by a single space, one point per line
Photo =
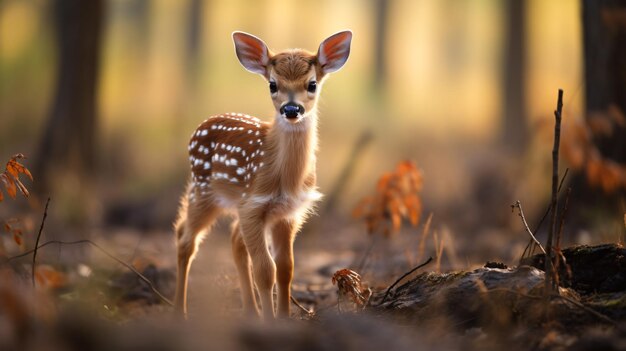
x=22 y=188
x=9 y=185
x=397 y=221
x=17 y=239
x=48 y=276
x=15 y=168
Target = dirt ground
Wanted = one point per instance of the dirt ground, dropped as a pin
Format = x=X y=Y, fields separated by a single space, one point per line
x=99 y=304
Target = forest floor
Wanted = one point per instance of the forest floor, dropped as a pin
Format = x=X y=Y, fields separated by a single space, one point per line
x=87 y=301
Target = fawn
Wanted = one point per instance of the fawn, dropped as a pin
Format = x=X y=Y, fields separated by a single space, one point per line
x=262 y=173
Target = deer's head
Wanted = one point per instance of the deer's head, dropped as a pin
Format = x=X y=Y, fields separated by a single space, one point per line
x=295 y=76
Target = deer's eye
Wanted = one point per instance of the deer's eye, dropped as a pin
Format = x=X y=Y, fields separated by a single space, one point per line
x=273 y=87
x=312 y=87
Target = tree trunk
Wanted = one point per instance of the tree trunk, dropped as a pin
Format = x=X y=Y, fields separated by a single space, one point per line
x=604 y=39
x=381 y=8
x=514 y=127
x=604 y=35
x=69 y=138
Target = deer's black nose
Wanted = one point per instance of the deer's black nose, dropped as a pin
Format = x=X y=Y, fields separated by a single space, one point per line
x=291 y=110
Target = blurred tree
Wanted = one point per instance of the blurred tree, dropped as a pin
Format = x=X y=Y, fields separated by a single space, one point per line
x=604 y=36
x=381 y=10
x=193 y=42
x=194 y=30
x=139 y=13
x=69 y=138
x=514 y=130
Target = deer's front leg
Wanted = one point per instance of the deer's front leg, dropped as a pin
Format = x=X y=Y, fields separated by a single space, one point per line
x=242 y=261
x=283 y=233
x=263 y=266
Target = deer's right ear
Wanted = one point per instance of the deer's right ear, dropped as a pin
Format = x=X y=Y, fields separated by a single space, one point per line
x=251 y=52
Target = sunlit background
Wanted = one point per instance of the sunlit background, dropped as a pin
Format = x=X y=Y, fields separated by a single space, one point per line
x=427 y=80
x=103 y=95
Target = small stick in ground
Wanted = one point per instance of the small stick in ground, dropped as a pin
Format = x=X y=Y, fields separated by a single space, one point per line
x=518 y=204
x=562 y=224
x=402 y=277
x=43 y=220
x=545 y=214
x=438 y=251
x=549 y=286
x=368 y=251
x=425 y=232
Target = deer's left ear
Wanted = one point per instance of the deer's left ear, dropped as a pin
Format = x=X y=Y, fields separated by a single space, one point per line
x=334 y=51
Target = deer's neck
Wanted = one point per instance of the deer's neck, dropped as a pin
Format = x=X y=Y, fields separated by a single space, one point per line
x=291 y=148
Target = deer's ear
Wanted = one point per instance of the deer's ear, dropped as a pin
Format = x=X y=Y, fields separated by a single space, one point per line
x=251 y=52
x=334 y=51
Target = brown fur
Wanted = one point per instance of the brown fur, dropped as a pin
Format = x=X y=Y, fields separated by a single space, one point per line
x=261 y=172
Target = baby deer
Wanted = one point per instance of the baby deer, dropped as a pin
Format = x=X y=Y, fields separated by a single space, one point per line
x=262 y=173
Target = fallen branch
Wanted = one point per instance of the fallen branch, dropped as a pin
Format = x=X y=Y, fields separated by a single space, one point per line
x=111 y=256
x=43 y=220
x=402 y=277
x=518 y=204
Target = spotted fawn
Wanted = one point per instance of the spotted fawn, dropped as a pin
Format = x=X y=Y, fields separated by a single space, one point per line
x=261 y=173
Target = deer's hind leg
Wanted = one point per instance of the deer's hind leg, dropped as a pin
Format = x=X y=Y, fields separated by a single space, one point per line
x=242 y=261
x=194 y=217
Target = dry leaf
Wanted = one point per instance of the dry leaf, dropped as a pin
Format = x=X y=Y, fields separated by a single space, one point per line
x=18 y=239
x=9 y=227
x=580 y=151
x=396 y=197
x=349 y=284
x=10 y=177
x=49 y=277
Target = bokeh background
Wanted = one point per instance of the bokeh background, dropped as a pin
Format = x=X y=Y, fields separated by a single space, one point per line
x=103 y=95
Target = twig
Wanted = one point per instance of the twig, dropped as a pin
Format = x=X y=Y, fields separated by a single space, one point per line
x=560 y=257
x=518 y=204
x=545 y=214
x=587 y=309
x=368 y=251
x=425 y=233
x=43 y=220
x=402 y=277
x=304 y=309
x=438 y=251
x=562 y=224
x=111 y=256
x=549 y=286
